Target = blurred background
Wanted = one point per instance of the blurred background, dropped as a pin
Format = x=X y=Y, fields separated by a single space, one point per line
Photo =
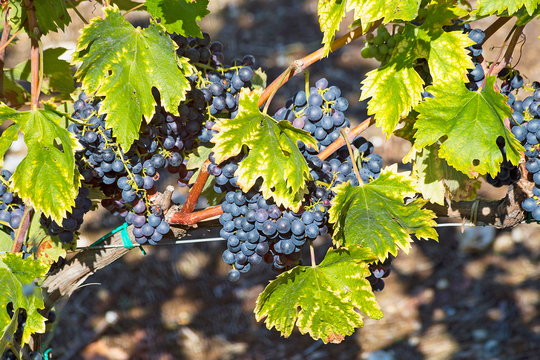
x=473 y=295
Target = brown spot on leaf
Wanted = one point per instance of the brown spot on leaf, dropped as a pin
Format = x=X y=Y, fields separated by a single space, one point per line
x=334 y=338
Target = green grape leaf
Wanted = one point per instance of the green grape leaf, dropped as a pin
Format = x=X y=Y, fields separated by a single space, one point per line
x=199 y=156
x=6 y=139
x=179 y=16
x=470 y=122
x=123 y=63
x=16 y=276
x=258 y=81
x=396 y=88
x=435 y=178
x=489 y=7
x=323 y=300
x=523 y=17
x=273 y=152
x=13 y=91
x=51 y=15
x=47 y=177
x=368 y=11
x=56 y=72
x=330 y=14
x=6 y=243
x=45 y=248
x=374 y=215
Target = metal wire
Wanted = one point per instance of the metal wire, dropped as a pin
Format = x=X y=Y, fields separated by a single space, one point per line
x=194 y=241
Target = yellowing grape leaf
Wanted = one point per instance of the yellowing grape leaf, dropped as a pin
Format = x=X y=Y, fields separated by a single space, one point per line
x=369 y=11
x=396 y=88
x=374 y=215
x=488 y=7
x=330 y=14
x=16 y=281
x=179 y=16
x=322 y=300
x=273 y=152
x=123 y=63
x=470 y=123
x=47 y=177
x=435 y=178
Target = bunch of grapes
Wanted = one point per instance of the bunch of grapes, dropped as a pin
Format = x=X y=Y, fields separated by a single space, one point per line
x=125 y=177
x=215 y=91
x=257 y=229
x=8 y=353
x=381 y=46
x=11 y=206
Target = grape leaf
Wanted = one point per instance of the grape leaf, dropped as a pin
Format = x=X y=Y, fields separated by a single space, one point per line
x=435 y=178
x=471 y=122
x=369 y=11
x=6 y=242
x=259 y=79
x=330 y=14
x=273 y=152
x=6 y=139
x=322 y=300
x=47 y=177
x=374 y=215
x=16 y=274
x=56 y=72
x=179 y=16
x=489 y=7
x=51 y=15
x=396 y=88
x=123 y=63
x=46 y=249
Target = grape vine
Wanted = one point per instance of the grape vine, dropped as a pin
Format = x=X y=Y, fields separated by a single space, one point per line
x=163 y=101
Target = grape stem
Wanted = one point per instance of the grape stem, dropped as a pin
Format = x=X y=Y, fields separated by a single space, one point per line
x=77 y=12
x=493 y=28
x=352 y=134
x=346 y=139
x=300 y=65
x=134 y=8
x=195 y=192
x=510 y=50
x=280 y=82
x=179 y=218
x=20 y=234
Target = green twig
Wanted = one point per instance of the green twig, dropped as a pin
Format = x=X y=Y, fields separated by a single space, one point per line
x=134 y=8
x=281 y=79
x=346 y=138
x=77 y=12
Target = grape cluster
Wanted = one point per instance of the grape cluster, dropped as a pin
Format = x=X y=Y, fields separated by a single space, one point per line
x=320 y=113
x=215 y=88
x=125 y=177
x=257 y=229
x=11 y=206
x=526 y=128
x=379 y=271
x=73 y=220
x=381 y=46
